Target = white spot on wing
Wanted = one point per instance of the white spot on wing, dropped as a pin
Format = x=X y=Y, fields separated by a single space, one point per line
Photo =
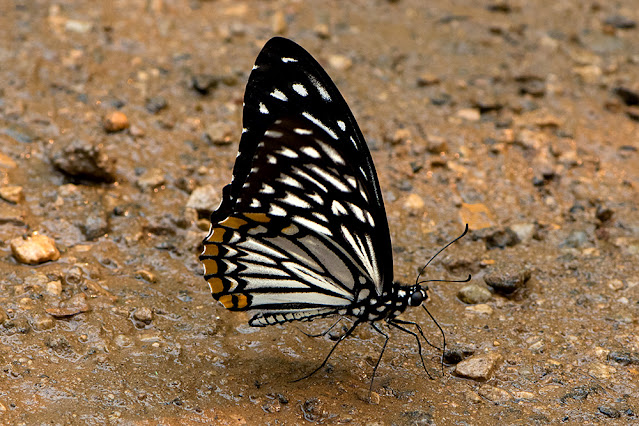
x=273 y=134
x=302 y=131
x=359 y=213
x=295 y=201
x=331 y=152
x=267 y=189
x=255 y=67
x=328 y=178
x=286 y=59
x=277 y=211
x=278 y=94
x=370 y=219
x=287 y=180
x=341 y=125
x=321 y=125
x=300 y=89
x=263 y=108
x=288 y=152
x=337 y=208
x=309 y=178
x=310 y=151
x=317 y=198
x=320 y=216
x=322 y=91
x=314 y=226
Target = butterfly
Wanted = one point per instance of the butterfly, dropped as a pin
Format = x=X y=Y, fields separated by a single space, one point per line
x=301 y=231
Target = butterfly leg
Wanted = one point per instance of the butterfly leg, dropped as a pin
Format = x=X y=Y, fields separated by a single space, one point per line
x=344 y=336
x=396 y=323
x=419 y=328
x=370 y=389
x=323 y=333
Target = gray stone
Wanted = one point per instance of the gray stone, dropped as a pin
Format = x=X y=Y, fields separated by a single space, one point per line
x=473 y=293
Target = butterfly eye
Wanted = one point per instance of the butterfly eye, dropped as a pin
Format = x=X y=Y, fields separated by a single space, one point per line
x=417 y=297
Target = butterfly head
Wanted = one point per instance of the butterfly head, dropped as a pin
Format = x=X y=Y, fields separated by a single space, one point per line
x=417 y=295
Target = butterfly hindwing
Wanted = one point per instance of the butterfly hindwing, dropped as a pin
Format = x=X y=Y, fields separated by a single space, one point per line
x=301 y=230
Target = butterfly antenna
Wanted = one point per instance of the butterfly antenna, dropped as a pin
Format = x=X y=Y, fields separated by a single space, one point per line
x=441 y=331
x=447 y=281
x=438 y=252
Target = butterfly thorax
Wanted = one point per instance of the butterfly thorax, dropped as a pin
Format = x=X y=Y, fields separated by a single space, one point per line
x=389 y=304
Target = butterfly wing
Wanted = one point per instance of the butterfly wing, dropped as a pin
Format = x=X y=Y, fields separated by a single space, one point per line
x=301 y=230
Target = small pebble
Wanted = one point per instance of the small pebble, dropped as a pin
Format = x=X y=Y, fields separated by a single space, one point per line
x=480 y=308
x=473 y=294
x=322 y=31
x=620 y=22
x=479 y=367
x=427 y=79
x=576 y=239
x=73 y=306
x=608 y=411
x=604 y=213
x=477 y=216
x=203 y=199
x=628 y=96
x=340 y=62
x=615 y=284
x=436 y=144
x=3 y=316
x=469 y=114
x=43 y=322
x=150 y=179
x=623 y=358
x=156 y=104
x=414 y=203
x=146 y=275
x=400 y=136
x=143 y=314
x=278 y=23
x=589 y=74
x=85 y=160
x=204 y=83
x=524 y=395
x=494 y=394
x=122 y=341
x=508 y=279
x=54 y=288
x=7 y=162
x=219 y=134
x=524 y=231
x=499 y=238
x=11 y=193
x=115 y=121
x=601 y=371
x=472 y=397
x=76 y=26
x=34 y=249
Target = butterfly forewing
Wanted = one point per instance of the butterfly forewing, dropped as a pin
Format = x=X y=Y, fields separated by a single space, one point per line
x=301 y=230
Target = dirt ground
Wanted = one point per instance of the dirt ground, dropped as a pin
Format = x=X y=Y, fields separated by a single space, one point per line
x=520 y=118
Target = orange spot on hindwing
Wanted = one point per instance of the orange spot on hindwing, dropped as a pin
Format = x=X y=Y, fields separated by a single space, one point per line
x=258 y=217
x=210 y=266
x=233 y=222
x=217 y=236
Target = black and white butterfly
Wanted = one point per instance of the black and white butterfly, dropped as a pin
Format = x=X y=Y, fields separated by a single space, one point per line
x=301 y=231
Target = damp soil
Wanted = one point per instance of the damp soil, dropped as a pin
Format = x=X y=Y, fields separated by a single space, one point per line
x=518 y=118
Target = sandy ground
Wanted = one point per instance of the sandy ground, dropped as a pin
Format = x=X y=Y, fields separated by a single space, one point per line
x=520 y=118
